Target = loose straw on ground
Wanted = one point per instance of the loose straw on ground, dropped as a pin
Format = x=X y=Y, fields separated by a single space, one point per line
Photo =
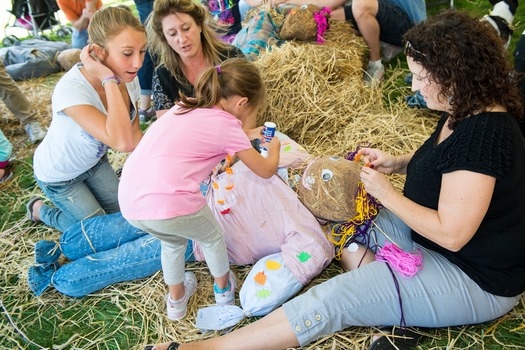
x=316 y=96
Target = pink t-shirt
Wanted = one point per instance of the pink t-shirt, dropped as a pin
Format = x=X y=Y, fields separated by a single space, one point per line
x=160 y=179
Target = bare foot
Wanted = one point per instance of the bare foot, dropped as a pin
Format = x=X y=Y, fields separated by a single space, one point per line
x=5 y=173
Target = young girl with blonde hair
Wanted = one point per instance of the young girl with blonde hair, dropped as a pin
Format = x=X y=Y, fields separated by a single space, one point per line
x=94 y=109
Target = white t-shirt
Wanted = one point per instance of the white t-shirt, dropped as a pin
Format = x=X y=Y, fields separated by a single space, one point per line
x=68 y=150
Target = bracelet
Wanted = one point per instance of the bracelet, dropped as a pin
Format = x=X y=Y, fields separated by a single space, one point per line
x=112 y=79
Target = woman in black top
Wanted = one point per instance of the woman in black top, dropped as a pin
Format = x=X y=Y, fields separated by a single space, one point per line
x=463 y=207
x=181 y=34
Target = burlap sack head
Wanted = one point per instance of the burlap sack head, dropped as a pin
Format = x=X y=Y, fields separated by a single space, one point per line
x=68 y=58
x=328 y=188
x=300 y=24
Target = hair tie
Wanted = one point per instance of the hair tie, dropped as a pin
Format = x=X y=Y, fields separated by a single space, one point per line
x=218 y=69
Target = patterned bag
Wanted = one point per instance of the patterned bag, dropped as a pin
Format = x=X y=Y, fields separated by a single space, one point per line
x=257 y=36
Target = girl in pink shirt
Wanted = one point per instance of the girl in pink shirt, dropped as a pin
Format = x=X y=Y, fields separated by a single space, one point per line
x=159 y=188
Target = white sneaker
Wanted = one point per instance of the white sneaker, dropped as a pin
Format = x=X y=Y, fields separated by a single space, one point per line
x=177 y=309
x=226 y=297
x=35 y=132
x=374 y=74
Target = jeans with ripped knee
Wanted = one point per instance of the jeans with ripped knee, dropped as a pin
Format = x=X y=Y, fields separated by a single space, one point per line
x=92 y=193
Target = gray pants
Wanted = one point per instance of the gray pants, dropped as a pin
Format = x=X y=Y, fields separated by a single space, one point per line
x=174 y=233
x=440 y=295
x=14 y=99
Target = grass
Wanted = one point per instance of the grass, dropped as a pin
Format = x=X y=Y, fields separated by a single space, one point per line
x=60 y=322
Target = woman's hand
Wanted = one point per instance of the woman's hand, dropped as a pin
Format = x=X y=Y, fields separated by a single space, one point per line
x=382 y=161
x=92 y=65
x=376 y=184
x=87 y=14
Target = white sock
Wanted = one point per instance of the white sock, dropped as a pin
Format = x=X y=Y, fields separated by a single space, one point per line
x=175 y=301
x=376 y=64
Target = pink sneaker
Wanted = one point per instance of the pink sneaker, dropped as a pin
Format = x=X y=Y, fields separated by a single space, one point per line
x=177 y=309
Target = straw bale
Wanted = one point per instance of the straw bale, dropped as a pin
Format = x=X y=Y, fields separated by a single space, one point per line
x=317 y=97
x=315 y=90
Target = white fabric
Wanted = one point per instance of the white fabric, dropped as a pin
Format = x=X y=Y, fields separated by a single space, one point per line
x=68 y=150
x=218 y=317
x=258 y=296
x=280 y=285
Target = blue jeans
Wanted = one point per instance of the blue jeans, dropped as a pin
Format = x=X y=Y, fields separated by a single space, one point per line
x=144 y=8
x=243 y=9
x=440 y=295
x=89 y=194
x=79 y=39
x=104 y=250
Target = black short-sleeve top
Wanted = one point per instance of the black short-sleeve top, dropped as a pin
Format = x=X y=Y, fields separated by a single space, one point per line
x=488 y=143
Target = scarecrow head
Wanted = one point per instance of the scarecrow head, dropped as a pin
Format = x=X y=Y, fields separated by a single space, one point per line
x=329 y=187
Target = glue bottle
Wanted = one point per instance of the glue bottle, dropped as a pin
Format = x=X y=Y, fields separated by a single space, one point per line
x=268 y=133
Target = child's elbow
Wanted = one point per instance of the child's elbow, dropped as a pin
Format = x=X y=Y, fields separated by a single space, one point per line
x=267 y=174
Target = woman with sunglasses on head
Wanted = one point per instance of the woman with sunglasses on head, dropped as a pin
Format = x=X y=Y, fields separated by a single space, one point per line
x=462 y=210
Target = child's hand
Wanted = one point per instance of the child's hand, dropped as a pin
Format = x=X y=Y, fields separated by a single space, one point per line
x=274 y=146
x=92 y=65
x=256 y=133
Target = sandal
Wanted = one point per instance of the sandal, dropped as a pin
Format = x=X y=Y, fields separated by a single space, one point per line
x=8 y=175
x=29 y=209
x=172 y=346
x=397 y=338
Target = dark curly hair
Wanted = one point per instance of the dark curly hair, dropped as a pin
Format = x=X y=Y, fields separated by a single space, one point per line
x=466 y=57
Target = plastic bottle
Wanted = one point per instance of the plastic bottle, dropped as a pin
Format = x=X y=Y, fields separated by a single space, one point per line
x=268 y=133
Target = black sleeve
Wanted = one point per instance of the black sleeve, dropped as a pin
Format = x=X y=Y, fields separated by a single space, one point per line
x=485 y=146
x=162 y=99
